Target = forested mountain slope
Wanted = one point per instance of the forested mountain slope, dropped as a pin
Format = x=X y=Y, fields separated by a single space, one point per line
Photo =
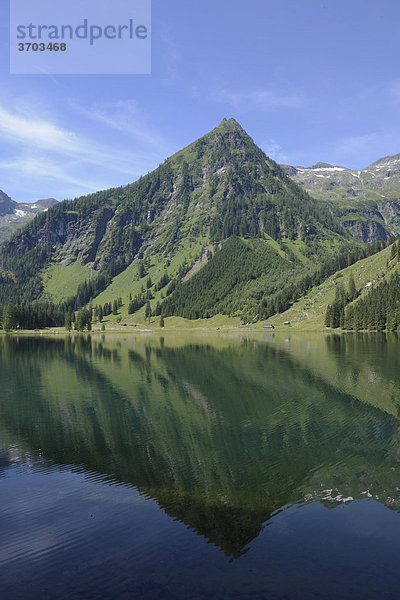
x=368 y=292
x=220 y=186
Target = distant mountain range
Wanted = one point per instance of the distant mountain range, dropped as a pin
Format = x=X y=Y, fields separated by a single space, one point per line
x=14 y=215
x=367 y=202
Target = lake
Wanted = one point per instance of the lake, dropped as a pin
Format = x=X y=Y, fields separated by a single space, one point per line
x=200 y=466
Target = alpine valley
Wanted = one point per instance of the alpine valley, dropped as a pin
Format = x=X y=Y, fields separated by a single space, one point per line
x=218 y=228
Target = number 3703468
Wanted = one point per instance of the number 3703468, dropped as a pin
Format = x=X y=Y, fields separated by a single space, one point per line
x=41 y=47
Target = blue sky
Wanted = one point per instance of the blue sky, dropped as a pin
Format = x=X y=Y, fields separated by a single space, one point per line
x=309 y=80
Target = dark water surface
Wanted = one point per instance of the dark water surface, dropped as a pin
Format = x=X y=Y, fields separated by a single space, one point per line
x=199 y=467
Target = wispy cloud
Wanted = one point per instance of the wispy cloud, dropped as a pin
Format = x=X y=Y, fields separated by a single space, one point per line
x=273 y=149
x=171 y=57
x=127 y=117
x=394 y=89
x=42 y=168
x=360 y=150
x=31 y=132
x=35 y=131
x=262 y=100
x=43 y=150
x=356 y=144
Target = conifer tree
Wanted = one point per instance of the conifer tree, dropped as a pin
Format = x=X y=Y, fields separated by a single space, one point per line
x=68 y=323
x=148 y=310
x=328 y=316
x=80 y=321
x=391 y=319
x=141 y=269
x=352 y=288
x=9 y=317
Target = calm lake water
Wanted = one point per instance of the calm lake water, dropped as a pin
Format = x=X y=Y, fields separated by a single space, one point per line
x=199 y=467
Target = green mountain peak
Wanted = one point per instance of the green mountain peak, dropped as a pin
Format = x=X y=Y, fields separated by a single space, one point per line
x=232 y=123
x=228 y=136
x=219 y=196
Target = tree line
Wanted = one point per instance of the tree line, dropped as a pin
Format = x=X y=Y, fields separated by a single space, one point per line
x=377 y=310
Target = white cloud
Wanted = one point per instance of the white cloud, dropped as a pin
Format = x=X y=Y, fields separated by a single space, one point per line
x=260 y=99
x=360 y=150
x=41 y=168
x=171 y=57
x=394 y=89
x=35 y=131
x=126 y=117
x=28 y=132
x=27 y=178
x=274 y=150
x=67 y=163
x=354 y=145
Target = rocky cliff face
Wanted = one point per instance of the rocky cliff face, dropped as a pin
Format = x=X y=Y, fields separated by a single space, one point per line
x=367 y=201
x=7 y=205
x=367 y=231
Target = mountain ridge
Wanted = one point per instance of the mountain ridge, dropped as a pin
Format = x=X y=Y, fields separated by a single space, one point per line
x=14 y=215
x=366 y=201
x=219 y=187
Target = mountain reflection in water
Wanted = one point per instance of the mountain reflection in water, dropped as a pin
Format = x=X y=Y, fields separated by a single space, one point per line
x=222 y=433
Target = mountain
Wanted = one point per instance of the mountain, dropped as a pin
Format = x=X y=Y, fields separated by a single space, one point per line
x=309 y=310
x=364 y=296
x=14 y=215
x=218 y=206
x=367 y=202
x=6 y=204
